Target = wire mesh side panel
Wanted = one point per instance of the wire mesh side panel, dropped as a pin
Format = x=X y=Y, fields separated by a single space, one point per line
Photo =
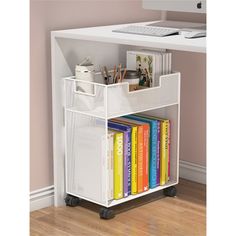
x=86 y=157
x=85 y=97
x=121 y=101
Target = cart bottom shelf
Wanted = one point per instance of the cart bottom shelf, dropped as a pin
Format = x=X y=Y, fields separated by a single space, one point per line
x=129 y=198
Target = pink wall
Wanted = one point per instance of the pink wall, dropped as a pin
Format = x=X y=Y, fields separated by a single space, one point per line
x=193 y=105
x=193 y=96
x=53 y=15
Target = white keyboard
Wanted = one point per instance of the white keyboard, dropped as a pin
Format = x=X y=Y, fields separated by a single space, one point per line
x=147 y=30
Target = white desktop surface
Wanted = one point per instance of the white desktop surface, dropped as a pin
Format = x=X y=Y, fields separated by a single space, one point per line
x=105 y=34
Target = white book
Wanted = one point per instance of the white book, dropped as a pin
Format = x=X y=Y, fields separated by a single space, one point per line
x=167 y=65
x=159 y=69
x=170 y=63
x=110 y=164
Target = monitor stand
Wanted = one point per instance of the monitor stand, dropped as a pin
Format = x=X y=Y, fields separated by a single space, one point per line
x=179 y=25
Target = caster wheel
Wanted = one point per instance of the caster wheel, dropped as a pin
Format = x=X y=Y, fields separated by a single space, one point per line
x=106 y=213
x=170 y=192
x=72 y=201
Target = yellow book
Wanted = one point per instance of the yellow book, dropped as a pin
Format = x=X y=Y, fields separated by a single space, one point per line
x=164 y=151
x=134 y=157
x=167 y=150
x=118 y=165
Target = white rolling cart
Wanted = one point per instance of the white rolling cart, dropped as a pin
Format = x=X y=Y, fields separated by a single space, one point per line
x=80 y=118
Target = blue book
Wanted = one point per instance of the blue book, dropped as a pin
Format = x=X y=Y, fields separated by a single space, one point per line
x=154 y=154
x=126 y=129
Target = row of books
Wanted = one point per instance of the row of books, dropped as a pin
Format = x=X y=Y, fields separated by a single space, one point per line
x=138 y=153
x=155 y=62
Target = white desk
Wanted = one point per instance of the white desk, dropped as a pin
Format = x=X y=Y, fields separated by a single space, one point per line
x=105 y=47
x=105 y=34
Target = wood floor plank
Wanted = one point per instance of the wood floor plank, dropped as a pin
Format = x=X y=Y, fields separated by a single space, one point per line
x=179 y=216
x=37 y=214
x=45 y=229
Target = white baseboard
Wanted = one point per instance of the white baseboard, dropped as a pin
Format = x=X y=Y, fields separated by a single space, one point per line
x=42 y=198
x=193 y=172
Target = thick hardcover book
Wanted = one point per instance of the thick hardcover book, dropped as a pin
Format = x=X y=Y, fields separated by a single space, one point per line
x=153 y=147
x=143 y=155
x=127 y=153
x=134 y=153
x=118 y=165
x=110 y=164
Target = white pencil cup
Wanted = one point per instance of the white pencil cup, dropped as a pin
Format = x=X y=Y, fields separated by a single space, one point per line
x=86 y=73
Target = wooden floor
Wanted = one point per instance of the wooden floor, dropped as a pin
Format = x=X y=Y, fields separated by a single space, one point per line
x=184 y=215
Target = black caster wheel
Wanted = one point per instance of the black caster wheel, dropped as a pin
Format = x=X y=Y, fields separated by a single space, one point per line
x=106 y=213
x=170 y=192
x=72 y=201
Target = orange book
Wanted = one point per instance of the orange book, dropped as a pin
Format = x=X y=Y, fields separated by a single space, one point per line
x=143 y=151
x=140 y=159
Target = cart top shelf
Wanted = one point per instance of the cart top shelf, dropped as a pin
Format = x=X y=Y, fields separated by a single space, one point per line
x=105 y=34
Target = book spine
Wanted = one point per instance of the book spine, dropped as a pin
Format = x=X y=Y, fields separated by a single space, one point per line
x=163 y=154
x=110 y=166
x=129 y=163
x=134 y=163
x=140 y=159
x=103 y=154
x=126 y=164
x=158 y=152
x=166 y=130
x=169 y=140
x=118 y=165
x=146 y=136
x=170 y=62
x=153 y=156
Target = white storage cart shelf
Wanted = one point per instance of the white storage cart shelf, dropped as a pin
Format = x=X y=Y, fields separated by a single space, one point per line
x=75 y=112
x=86 y=118
x=109 y=101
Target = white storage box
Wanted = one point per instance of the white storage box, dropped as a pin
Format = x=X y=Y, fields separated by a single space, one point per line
x=108 y=101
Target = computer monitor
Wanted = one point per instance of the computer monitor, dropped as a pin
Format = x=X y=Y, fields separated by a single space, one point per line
x=198 y=6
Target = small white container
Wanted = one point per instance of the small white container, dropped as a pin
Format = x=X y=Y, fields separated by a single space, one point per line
x=86 y=73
